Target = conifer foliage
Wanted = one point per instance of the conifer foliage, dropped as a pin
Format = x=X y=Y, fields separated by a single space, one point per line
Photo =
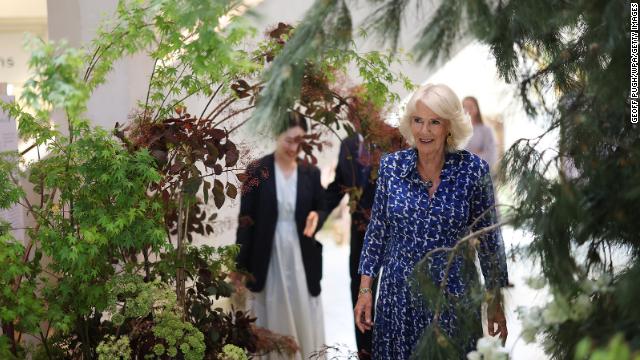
x=577 y=200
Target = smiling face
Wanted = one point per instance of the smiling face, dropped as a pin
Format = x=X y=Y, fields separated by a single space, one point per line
x=288 y=143
x=429 y=130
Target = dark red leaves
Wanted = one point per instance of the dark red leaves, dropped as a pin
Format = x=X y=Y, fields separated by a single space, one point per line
x=218 y=193
x=242 y=177
x=217 y=134
x=232 y=154
x=242 y=89
x=232 y=191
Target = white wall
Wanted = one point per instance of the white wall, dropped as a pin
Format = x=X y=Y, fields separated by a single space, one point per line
x=76 y=21
x=18 y=18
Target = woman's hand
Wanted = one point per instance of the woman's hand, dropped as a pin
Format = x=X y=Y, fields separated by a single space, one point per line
x=496 y=321
x=362 y=312
x=312 y=224
x=237 y=280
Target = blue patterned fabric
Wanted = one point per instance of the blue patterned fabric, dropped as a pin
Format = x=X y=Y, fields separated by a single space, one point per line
x=406 y=224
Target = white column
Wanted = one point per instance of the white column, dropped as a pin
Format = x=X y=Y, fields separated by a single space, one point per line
x=77 y=21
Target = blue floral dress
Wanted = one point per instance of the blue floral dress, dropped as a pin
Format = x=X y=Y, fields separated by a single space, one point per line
x=406 y=223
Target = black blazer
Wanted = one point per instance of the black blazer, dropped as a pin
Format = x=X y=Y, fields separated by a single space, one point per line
x=349 y=173
x=259 y=214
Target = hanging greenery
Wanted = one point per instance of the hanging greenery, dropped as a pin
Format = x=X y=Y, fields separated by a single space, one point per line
x=570 y=62
x=109 y=269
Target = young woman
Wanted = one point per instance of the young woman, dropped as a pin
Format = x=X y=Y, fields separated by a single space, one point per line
x=282 y=207
x=482 y=142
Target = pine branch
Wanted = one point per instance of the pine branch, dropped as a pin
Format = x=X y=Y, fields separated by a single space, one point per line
x=386 y=22
x=326 y=24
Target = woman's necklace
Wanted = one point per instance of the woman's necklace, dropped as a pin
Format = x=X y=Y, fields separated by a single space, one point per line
x=428 y=181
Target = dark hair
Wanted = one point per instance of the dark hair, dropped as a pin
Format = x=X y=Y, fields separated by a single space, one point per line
x=475 y=101
x=295 y=119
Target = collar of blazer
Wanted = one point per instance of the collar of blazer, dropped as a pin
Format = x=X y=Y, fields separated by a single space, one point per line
x=270 y=163
x=303 y=195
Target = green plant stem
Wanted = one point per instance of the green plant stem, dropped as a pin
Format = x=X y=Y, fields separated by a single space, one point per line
x=236 y=113
x=180 y=281
x=146 y=101
x=166 y=96
x=215 y=93
x=147 y=270
x=86 y=346
x=223 y=105
x=43 y=338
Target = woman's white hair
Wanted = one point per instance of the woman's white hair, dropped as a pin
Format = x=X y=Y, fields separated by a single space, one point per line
x=446 y=104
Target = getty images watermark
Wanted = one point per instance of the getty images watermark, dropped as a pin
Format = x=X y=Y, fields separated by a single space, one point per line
x=633 y=96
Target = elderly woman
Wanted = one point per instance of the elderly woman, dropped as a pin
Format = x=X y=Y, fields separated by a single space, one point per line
x=427 y=197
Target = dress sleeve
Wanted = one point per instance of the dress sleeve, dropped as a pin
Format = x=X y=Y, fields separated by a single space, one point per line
x=490 y=148
x=491 y=248
x=375 y=239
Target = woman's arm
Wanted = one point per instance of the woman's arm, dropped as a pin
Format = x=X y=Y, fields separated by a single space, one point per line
x=318 y=214
x=376 y=236
x=491 y=251
x=372 y=251
x=483 y=214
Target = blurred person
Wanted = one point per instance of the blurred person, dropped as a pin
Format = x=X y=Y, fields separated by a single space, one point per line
x=281 y=208
x=356 y=172
x=482 y=142
x=353 y=176
x=427 y=197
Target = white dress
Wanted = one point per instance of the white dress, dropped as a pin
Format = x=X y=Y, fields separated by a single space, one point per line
x=284 y=305
x=483 y=144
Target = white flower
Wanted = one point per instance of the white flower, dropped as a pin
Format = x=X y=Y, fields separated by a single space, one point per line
x=589 y=286
x=474 y=355
x=501 y=354
x=581 y=307
x=531 y=322
x=489 y=348
x=601 y=284
x=555 y=312
x=529 y=334
x=488 y=343
x=535 y=282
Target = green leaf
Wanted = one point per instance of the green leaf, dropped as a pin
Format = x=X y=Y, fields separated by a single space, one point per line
x=192 y=185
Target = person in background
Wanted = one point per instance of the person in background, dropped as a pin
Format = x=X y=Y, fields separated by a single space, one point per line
x=352 y=176
x=428 y=197
x=482 y=142
x=281 y=208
